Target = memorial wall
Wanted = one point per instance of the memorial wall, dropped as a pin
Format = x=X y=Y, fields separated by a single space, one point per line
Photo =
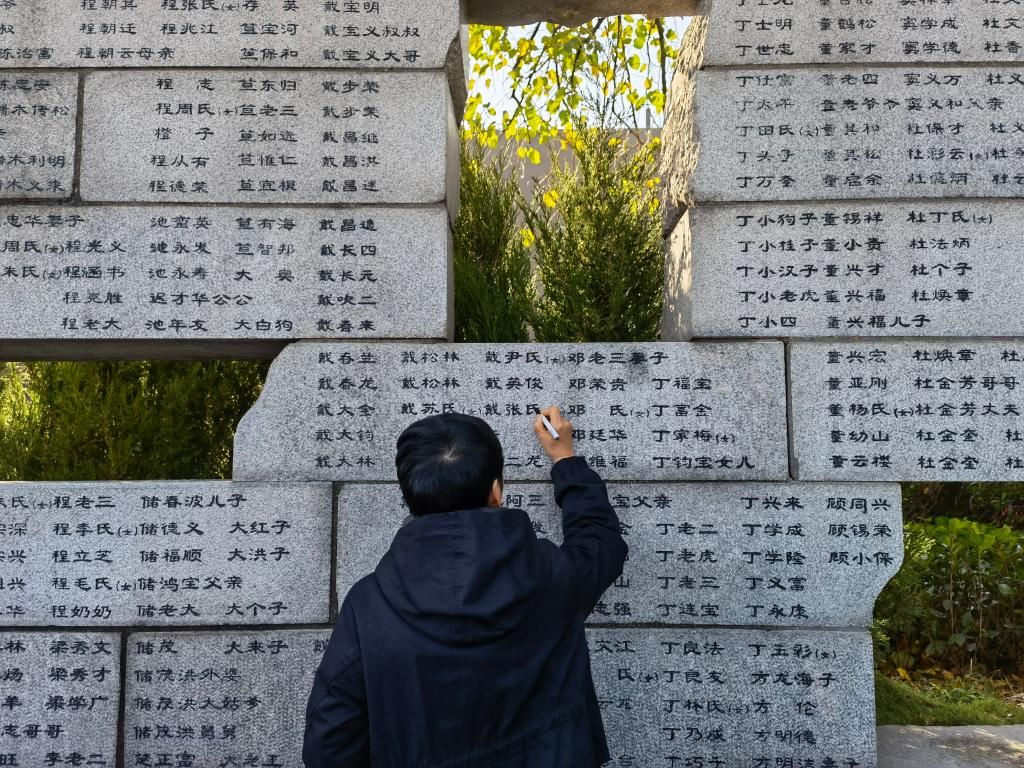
x=224 y=179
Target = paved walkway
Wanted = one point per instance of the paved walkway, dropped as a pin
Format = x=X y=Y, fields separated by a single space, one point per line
x=976 y=746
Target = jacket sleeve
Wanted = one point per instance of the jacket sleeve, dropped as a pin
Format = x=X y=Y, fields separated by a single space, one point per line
x=593 y=540
x=337 y=734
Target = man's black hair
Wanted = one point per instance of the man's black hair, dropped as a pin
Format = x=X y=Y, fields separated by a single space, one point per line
x=448 y=463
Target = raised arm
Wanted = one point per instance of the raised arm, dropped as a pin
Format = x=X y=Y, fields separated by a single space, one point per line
x=593 y=540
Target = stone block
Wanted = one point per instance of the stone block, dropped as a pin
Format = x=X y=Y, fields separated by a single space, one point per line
x=255 y=684
x=724 y=697
x=641 y=411
x=856 y=133
x=61 y=693
x=37 y=134
x=164 y=553
x=769 y=33
x=929 y=410
x=886 y=268
x=267 y=136
x=222 y=275
x=730 y=698
x=738 y=554
x=389 y=34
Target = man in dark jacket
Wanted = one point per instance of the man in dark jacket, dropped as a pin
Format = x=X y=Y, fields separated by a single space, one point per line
x=465 y=648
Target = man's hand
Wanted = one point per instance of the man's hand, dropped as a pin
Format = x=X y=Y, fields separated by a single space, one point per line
x=555 y=449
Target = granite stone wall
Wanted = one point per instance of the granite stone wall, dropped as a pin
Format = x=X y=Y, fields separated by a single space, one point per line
x=184 y=178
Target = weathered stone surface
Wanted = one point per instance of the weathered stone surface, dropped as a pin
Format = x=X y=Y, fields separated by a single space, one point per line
x=163 y=553
x=641 y=411
x=211 y=274
x=735 y=698
x=776 y=555
x=37 y=134
x=256 y=685
x=766 y=32
x=854 y=133
x=273 y=136
x=389 y=34
x=932 y=410
x=679 y=151
x=505 y=13
x=60 y=693
x=922 y=268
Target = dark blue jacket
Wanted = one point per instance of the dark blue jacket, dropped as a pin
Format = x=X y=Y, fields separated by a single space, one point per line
x=465 y=648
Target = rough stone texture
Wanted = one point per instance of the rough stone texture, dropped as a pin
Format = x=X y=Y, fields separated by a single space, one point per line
x=256 y=683
x=929 y=410
x=736 y=698
x=959 y=747
x=922 y=268
x=60 y=693
x=37 y=134
x=641 y=411
x=849 y=133
x=772 y=33
x=213 y=274
x=389 y=34
x=679 y=150
x=162 y=553
x=793 y=555
x=273 y=136
x=732 y=695
x=506 y=13
x=677 y=314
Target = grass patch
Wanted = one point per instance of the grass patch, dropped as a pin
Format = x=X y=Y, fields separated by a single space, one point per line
x=958 y=702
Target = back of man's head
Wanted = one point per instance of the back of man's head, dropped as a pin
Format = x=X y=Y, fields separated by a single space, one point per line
x=448 y=463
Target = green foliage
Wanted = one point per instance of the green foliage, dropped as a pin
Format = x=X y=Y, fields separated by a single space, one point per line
x=958 y=602
x=993 y=503
x=494 y=297
x=954 y=703
x=596 y=231
x=122 y=421
x=613 y=68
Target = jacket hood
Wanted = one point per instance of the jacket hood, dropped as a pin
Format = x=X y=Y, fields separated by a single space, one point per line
x=465 y=578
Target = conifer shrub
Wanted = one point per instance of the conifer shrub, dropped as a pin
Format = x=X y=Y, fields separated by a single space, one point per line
x=494 y=295
x=147 y=420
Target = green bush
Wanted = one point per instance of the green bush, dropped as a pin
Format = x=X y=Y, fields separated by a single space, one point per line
x=494 y=297
x=596 y=224
x=993 y=503
x=958 y=602
x=122 y=421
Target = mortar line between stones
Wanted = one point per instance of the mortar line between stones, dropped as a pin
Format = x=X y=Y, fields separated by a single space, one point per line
x=333 y=606
x=76 y=170
x=122 y=705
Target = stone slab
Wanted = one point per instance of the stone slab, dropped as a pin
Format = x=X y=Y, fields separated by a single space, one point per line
x=570 y=12
x=928 y=410
x=735 y=698
x=971 y=746
x=164 y=553
x=769 y=32
x=273 y=136
x=223 y=698
x=921 y=268
x=212 y=274
x=725 y=697
x=61 y=693
x=737 y=554
x=856 y=133
x=387 y=34
x=641 y=411
x=37 y=133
